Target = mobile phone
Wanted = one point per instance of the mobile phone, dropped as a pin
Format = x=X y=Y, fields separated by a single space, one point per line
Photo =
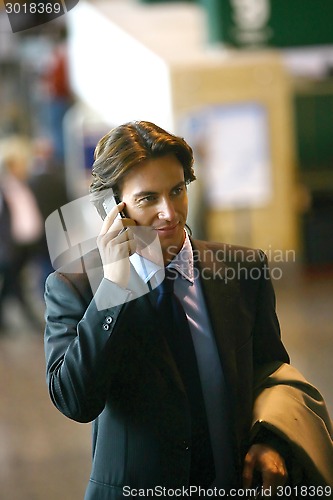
x=110 y=203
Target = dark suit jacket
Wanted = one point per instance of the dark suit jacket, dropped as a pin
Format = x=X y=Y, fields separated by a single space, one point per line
x=113 y=367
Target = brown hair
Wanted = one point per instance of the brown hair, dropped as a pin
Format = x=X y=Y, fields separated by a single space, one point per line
x=128 y=145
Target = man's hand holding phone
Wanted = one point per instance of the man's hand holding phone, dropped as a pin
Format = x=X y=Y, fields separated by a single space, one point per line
x=116 y=243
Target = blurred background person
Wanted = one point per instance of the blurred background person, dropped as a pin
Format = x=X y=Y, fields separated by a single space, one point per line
x=48 y=185
x=57 y=92
x=21 y=226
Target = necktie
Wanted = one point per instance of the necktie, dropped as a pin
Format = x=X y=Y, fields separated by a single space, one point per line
x=177 y=331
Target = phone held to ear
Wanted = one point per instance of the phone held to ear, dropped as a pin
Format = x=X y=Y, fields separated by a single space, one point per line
x=110 y=203
x=145 y=265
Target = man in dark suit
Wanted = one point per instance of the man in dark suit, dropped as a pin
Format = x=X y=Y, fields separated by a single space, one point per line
x=113 y=360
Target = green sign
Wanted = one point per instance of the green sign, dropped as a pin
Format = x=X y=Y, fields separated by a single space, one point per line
x=276 y=23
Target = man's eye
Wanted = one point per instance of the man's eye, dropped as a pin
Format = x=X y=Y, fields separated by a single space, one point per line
x=178 y=191
x=147 y=199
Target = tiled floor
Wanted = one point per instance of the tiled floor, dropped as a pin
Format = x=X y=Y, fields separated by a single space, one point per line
x=44 y=456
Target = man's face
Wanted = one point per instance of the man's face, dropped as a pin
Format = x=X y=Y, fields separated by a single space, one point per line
x=155 y=195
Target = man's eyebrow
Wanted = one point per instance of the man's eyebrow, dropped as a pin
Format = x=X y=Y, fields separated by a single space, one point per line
x=144 y=193
x=180 y=184
x=150 y=193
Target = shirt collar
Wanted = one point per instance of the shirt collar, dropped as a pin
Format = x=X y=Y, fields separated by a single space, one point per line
x=145 y=268
x=183 y=261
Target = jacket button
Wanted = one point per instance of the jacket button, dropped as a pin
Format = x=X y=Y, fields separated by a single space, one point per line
x=108 y=319
x=105 y=326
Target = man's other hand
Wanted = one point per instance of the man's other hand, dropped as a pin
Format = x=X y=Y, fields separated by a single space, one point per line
x=266 y=461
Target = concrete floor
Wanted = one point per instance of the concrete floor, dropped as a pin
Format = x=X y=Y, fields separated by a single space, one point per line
x=44 y=456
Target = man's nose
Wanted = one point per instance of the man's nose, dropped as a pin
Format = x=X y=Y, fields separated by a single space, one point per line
x=166 y=209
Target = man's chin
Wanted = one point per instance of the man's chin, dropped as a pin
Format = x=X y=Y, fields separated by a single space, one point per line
x=172 y=246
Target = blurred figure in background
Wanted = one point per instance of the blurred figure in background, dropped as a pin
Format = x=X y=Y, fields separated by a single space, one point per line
x=6 y=246
x=47 y=182
x=58 y=96
x=21 y=225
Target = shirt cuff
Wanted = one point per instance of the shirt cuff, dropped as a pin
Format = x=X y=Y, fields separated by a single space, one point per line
x=109 y=295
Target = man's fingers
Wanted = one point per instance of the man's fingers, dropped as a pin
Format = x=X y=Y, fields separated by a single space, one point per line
x=110 y=218
x=114 y=219
x=118 y=235
x=116 y=243
x=125 y=234
x=117 y=226
x=264 y=460
x=125 y=249
x=248 y=469
x=275 y=475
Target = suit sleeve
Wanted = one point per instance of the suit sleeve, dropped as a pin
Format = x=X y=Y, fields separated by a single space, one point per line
x=286 y=405
x=77 y=344
x=294 y=410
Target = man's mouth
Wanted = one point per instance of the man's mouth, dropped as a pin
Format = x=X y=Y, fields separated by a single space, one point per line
x=169 y=227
